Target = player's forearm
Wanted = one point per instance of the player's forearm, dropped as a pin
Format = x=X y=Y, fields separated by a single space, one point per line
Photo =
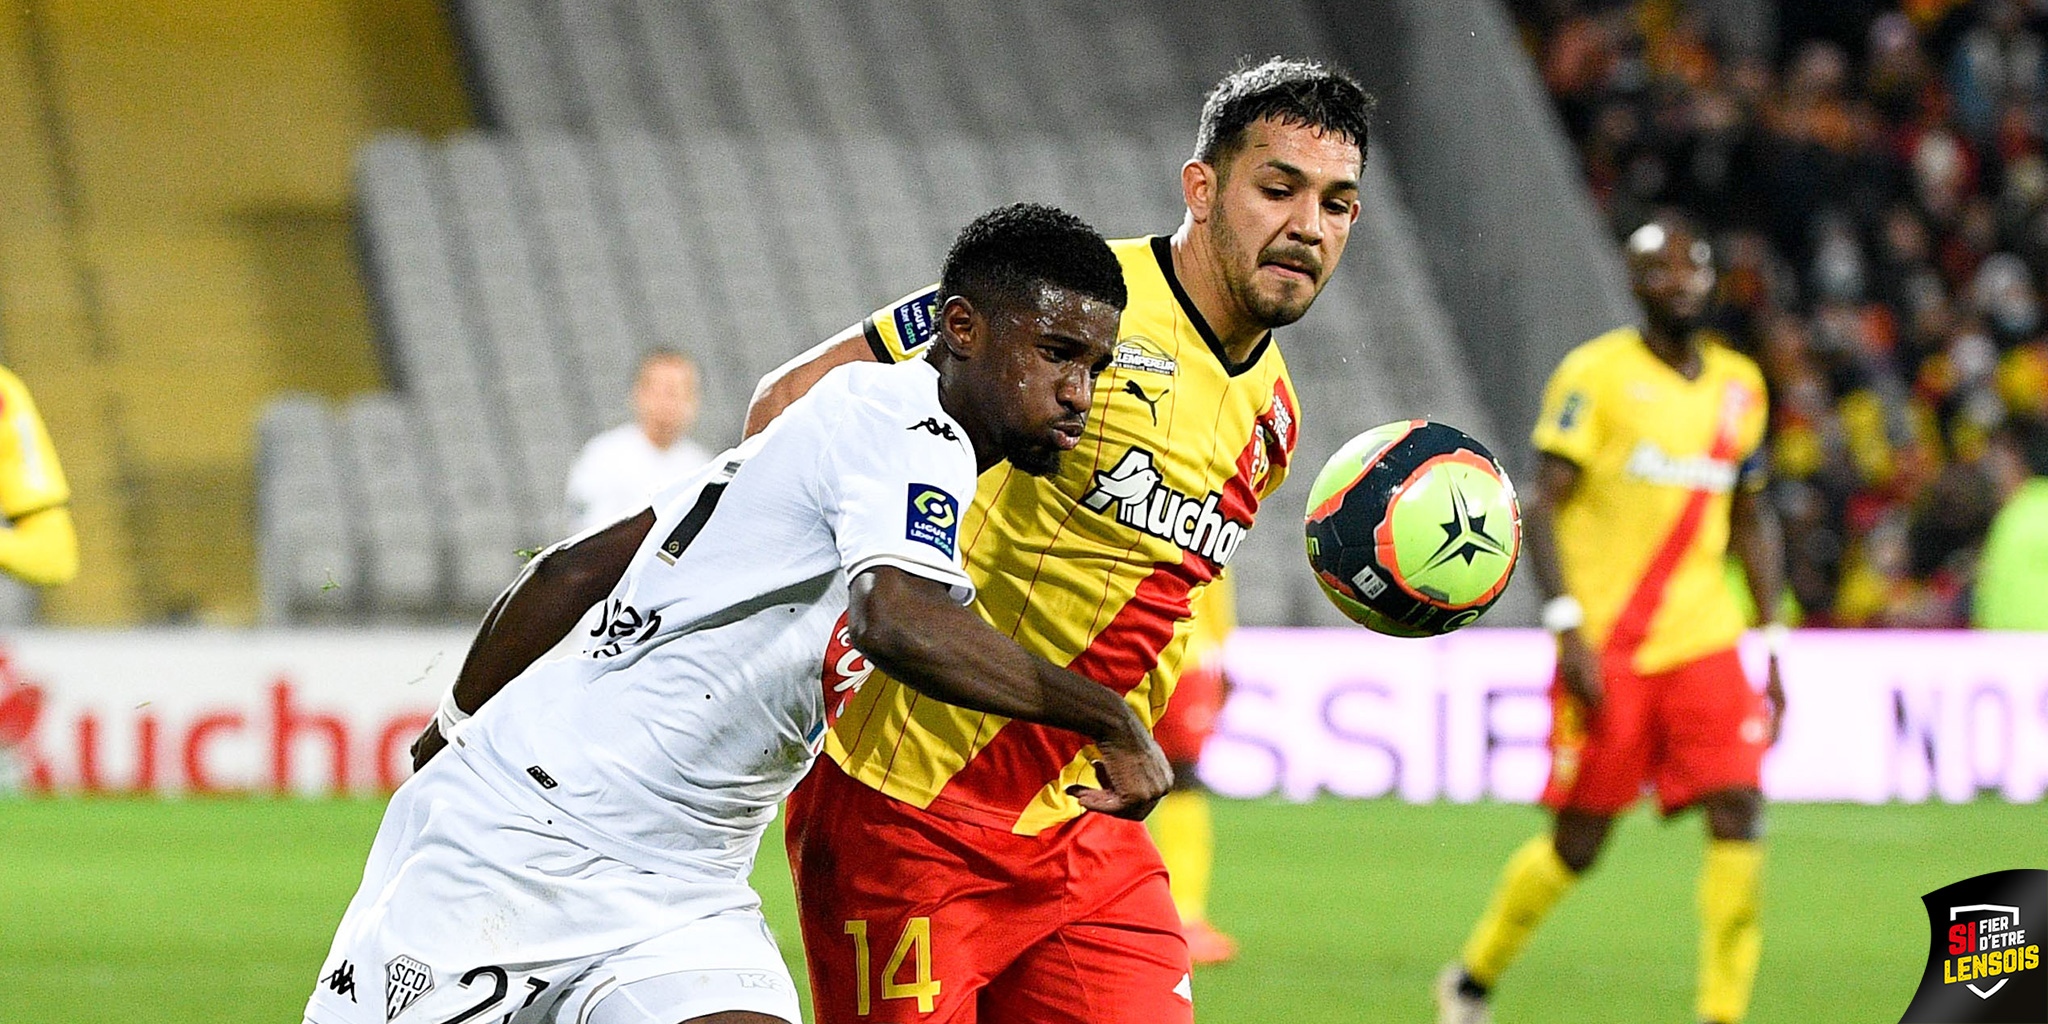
x=542 y=605
x=909 y=629
x=41 y=548
x=793 y=379
x=1759 y=543
x=1541 y=538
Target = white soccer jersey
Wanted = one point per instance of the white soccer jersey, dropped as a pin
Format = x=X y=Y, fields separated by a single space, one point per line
x=697 y=701
x=620 y=469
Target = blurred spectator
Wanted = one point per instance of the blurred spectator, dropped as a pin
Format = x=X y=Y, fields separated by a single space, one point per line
x=1879 y=195
x=2012 y=580
x=621 y=468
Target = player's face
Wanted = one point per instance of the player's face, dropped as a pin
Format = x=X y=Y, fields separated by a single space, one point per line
x=1041 y=379
x=665 y=399
x=1673 y=274
x=1284 y=206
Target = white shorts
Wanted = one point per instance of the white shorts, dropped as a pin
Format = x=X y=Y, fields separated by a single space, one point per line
x=474 y=912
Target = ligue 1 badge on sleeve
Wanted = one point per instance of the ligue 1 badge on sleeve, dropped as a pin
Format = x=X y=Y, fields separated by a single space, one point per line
x=1984 y=964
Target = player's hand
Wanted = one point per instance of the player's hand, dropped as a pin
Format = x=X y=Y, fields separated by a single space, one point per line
x=1774 y=694
x=430 y=743
x=1133 y=771
x=1579 y=667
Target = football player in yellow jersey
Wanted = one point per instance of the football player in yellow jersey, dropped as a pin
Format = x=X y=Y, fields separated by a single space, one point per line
x=37 y=546
x=943 y=870
x=1650 y=473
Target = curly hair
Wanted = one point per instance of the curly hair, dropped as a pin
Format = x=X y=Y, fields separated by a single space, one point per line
x=1004 y=252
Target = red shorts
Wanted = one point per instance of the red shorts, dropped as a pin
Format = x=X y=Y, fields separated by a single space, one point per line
x=908 y=916
x=1191 y=714
x=1690 y=731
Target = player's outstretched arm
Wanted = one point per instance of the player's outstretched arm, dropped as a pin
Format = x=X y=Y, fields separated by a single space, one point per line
x=911 y=628
x=1758 y=541
x=536 y=612
x=789 y=382
x=1556 y=479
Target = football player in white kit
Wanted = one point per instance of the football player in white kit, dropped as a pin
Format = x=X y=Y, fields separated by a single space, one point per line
x=580 y=854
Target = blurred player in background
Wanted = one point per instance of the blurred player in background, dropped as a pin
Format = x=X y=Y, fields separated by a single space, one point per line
x=38 y=546
x=2012 y=576
x=943 y=868
x=1181 y=823
x=619 y=468
x=1650 y=471
x=581 y=851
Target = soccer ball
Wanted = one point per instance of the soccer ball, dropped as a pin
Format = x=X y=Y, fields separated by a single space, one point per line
x=1413 y=529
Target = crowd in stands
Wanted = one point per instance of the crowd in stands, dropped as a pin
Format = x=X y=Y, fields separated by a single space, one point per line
x=1878 y=201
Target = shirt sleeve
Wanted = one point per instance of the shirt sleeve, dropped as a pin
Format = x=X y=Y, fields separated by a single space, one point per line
x=1755 y=473
x=903 y=328
x=1568 y=426
x=30 y=478
x=894 y=494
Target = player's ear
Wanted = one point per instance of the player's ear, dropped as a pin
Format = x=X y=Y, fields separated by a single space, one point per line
x=962 y=328
x=1198 y=184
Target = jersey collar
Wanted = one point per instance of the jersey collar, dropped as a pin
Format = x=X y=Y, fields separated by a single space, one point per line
x=1162 y=250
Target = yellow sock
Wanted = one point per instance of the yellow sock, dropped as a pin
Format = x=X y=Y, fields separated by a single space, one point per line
x=1731 y=939
x=1187 y=843
x=1531 y=883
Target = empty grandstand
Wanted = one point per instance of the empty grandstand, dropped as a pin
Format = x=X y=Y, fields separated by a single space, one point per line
x=738 y=181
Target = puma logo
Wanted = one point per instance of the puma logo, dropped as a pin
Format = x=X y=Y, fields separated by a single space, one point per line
x=1150 y=402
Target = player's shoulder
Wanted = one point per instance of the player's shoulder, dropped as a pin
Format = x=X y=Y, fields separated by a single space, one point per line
x=865 y=392
x=609 y=442
x=1604 y=355
x=1724 y=360
x=1135 y=250
x=12 y=391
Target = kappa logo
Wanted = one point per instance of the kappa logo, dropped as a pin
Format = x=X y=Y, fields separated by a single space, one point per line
x=342 y=981
x=1142 y=500
x=932 y=426
x=1142 y=353
x=1984 y=961
x=934 y=518
x=405 y=981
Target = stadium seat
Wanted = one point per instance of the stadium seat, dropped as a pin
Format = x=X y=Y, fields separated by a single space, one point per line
x=307 y=541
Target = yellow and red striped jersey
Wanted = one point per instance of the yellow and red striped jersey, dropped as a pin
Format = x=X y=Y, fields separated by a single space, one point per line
x=1094 y=567
x=1643 y=539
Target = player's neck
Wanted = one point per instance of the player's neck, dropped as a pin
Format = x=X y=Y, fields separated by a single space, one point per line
x=1199 y=270
x=1677 y=349
x=662 y=441
x=981 y=436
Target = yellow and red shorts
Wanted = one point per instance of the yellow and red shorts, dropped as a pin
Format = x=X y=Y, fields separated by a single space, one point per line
x=1693 y=730
x=911 y=916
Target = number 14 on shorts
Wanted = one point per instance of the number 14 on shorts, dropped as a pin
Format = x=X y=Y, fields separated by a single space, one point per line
x=915 y=944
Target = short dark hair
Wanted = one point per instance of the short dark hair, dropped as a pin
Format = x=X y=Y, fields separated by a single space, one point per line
x=1004 y=252
x=1290 y=90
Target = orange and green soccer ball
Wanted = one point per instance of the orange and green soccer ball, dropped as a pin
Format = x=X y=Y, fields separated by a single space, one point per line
x=1413 y=529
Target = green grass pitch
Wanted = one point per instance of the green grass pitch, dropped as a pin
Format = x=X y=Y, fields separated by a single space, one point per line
x=220 y=910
